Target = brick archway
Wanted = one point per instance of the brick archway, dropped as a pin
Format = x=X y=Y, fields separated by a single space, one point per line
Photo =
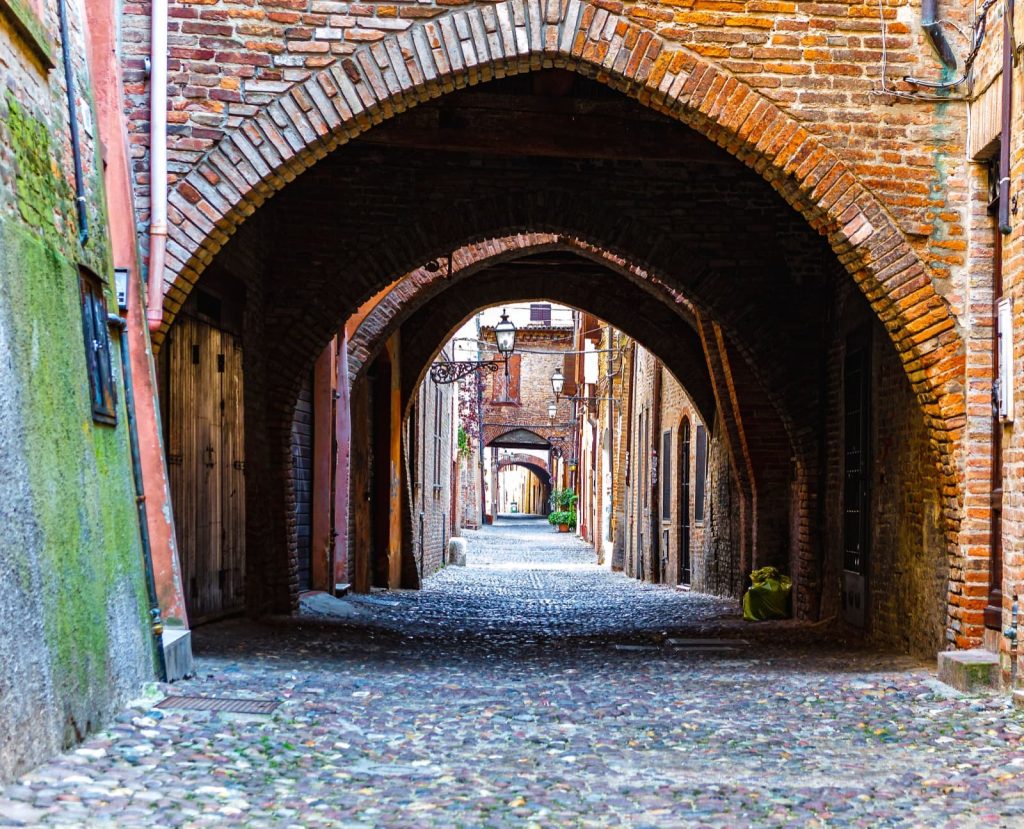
x=538 y=466
x=422 y=286
x=290 y=134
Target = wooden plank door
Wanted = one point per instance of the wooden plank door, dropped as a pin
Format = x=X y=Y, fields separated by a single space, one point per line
x=684 y=503
x=205 y=453
x=856 y=478
x=233 y=475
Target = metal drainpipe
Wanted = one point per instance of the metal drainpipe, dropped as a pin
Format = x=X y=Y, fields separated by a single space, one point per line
x=1005 y=126
x=140 y=495
x=994 y=609
x=930 y=23
x=76 y=140
x=157 y=165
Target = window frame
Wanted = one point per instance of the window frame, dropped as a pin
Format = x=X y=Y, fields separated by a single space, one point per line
x=99 y=360
x=700 y=472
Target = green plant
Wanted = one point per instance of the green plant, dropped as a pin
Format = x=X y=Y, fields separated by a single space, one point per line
x=565 y=499
x=567 y=516
x=463 y=437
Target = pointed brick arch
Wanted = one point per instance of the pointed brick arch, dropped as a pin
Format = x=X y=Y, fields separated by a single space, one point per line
x=259 y=156
x=289 y=135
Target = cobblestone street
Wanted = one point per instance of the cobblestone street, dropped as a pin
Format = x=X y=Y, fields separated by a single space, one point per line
x=533 y=688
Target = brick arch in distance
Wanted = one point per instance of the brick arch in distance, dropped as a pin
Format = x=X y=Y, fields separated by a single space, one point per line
x=264 y=152
x=421 y=287
x=538 y=466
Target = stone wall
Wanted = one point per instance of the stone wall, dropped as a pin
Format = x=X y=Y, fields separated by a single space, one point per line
x=76 y=643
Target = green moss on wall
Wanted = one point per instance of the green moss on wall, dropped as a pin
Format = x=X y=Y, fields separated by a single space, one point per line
x=82 y=492
x=44 y=194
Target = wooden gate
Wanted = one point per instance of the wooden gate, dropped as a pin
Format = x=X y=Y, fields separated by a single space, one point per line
x=684 y=502
x=204 y=433
x=856 y=478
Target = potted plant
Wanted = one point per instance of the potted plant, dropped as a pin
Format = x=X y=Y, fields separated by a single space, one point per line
x=563 y=515
x=560 y=519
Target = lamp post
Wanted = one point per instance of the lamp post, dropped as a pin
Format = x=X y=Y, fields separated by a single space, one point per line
x=451 y=371
x=505 y=336
x=557 y=382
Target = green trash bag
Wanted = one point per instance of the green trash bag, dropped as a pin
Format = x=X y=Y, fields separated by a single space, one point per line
x=768 y=596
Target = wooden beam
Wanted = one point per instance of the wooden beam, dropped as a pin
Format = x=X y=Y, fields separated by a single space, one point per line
x=323 y=460
x=553 y=133
x=395 y=499
x=359 y=492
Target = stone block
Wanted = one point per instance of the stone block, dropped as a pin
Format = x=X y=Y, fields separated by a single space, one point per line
x=178 y=653
x=457 y=551
x=969 y=671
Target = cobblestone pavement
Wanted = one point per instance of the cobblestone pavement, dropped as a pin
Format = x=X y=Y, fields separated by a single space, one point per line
x=534 y=689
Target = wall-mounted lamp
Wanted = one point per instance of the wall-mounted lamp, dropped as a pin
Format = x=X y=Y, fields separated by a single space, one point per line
x=505 y=335
x=557 y=382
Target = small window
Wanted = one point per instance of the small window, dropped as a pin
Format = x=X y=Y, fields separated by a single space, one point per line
x=97 y=350
x=700 y=473
x=438 y=438
x=540 y=313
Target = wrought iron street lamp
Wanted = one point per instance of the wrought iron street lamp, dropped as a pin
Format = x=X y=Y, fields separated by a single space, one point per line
x=505 y=335
x=451 y=371
x=552 y=410
x=557 y=382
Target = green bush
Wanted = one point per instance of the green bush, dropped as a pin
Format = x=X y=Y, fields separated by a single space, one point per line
x=567 y=516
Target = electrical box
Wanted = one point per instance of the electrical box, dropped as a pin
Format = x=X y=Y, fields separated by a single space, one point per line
x=1004 y=330
x=121 y=287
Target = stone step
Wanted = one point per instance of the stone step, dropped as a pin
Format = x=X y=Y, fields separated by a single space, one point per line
x=177 y=653
x=969 y=671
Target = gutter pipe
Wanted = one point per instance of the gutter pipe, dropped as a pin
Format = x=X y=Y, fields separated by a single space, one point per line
x=932 y=27
x=76 y=140
x=156 y=622
x=157 y=165
x=994 y=608
x=1005 y=126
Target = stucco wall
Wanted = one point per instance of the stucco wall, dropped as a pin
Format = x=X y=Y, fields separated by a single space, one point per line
x=74 y=640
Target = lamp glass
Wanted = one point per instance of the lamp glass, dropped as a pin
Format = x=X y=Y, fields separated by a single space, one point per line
x=552 y=410
x=557 y=381
x=505 y=335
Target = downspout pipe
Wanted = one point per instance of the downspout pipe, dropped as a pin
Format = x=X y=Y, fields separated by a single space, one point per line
x=156 y=622
x=932 y=27
x=157 y=165
x=1005 y=127
x=76 y=139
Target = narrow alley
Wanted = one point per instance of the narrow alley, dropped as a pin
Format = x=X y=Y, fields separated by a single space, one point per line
x=533 y=687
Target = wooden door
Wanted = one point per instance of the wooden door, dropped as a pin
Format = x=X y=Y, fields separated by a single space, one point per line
x=205 y=455
x=684 y=503
x=856 y=478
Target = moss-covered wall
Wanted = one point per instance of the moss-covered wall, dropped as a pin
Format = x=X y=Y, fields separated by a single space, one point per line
x=75 y=643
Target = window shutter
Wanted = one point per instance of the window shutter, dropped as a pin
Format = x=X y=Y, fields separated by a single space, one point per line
x=700 y=473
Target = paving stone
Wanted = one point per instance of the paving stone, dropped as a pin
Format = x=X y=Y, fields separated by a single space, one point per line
x=496 y=697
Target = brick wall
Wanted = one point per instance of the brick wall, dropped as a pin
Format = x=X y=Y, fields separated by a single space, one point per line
x=530 y=412
x=820 y=63
x=302 y=480
x=660 y=559
x=430 y=458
